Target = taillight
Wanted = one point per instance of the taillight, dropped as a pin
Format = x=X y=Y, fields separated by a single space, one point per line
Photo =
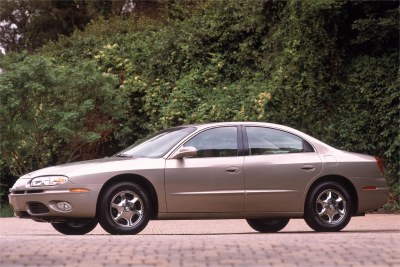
x=380 y=164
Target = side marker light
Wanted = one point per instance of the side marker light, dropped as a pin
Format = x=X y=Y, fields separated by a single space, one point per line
x=79 y=190
x=369 y=188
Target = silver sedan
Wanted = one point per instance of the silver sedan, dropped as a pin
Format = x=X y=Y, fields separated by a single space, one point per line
x=264 y=173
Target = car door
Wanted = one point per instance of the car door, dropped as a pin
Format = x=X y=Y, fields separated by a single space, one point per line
x=211 y=182
x=278 y=167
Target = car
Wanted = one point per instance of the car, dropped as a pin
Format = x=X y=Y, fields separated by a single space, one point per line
x=262 y=172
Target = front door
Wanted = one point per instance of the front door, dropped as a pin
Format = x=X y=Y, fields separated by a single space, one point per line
x=211 y=182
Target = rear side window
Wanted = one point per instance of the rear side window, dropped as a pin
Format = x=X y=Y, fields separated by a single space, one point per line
x=264 y=141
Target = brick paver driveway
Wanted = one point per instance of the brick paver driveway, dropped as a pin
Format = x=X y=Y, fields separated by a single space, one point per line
x=373 y=240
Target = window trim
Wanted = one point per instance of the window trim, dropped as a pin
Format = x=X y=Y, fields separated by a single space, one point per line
x=246 y=147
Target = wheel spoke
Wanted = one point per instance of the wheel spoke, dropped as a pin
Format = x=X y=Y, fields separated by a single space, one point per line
x=139 y=212
x=123 y=197
x=134 y=200
x=330 y=218
x=342 y=212
x=323 y=212
x=332 y=215
x=329 y=196
x=127 y=216
x=322 y=202
x=118 y=216
x=118 y=207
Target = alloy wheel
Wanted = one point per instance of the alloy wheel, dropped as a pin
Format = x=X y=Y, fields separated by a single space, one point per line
x=126 y=209
x=331 y=206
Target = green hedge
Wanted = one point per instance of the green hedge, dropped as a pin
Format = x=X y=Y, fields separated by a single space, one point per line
x=325 y=67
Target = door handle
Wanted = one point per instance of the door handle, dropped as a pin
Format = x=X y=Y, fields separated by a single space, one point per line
x=308 y=167
x=232 y=170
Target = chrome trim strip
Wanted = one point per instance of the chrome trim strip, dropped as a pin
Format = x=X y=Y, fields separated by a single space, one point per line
x=383 y=188
x=220 y=192
x=224 y=192
x=269 y=191
x=377 y=189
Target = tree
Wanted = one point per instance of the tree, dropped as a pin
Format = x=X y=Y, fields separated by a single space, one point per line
x=52 y=113
x=30 y=24
x=27 y=25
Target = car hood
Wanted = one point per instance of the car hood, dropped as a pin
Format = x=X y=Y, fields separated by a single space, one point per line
x=64 y=169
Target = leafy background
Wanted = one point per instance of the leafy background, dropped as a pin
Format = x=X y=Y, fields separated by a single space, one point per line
x=81 y=80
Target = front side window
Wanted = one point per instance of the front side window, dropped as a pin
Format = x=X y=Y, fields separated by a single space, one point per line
x=263 y=141
x=218 y=142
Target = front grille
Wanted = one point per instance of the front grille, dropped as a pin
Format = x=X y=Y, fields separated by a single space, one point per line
x=37 y=208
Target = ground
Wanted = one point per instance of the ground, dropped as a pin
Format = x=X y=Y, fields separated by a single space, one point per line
x=373 y=240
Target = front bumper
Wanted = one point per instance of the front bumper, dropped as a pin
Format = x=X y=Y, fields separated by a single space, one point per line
x=40 y=203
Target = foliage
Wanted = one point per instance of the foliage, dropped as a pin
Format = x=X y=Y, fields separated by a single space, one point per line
x=393 y=204
x=29 y=25
x=54 y=112
x=6 y=210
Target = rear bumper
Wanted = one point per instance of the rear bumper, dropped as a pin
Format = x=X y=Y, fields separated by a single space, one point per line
x=373 y=193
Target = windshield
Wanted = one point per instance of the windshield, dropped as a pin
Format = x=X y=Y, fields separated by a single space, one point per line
x=158 y=144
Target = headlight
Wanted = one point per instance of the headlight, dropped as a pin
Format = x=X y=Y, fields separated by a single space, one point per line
x=48 y=181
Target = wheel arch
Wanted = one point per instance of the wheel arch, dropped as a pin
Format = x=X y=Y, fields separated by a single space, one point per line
x=339 y=179
x=140 y=180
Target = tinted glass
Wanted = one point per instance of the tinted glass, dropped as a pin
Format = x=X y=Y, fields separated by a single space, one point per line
x=158 y=144
x=263 y=141
x=218 y=142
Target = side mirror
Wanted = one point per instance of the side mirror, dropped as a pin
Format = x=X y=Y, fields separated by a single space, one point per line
x=185 y=152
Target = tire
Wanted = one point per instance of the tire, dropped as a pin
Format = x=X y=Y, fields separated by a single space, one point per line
x=270 y=225
x=124 y=209
x=77 y=227
x=328 y=207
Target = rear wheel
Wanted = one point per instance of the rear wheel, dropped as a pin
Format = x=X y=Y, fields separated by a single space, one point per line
x=77 y=227
x=328 y=207
x=270 y=225
x=124 y=209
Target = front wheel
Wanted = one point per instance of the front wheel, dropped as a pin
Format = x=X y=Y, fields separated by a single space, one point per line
x=328 y=207
x=124 y=209
x=77 y=227
x=270 y=225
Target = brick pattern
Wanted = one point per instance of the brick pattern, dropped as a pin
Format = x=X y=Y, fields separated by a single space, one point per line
x=373 y=240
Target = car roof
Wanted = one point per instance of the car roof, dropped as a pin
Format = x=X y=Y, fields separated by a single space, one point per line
x=245 y=123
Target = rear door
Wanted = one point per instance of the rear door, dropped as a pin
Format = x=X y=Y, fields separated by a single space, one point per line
x=278 y=166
